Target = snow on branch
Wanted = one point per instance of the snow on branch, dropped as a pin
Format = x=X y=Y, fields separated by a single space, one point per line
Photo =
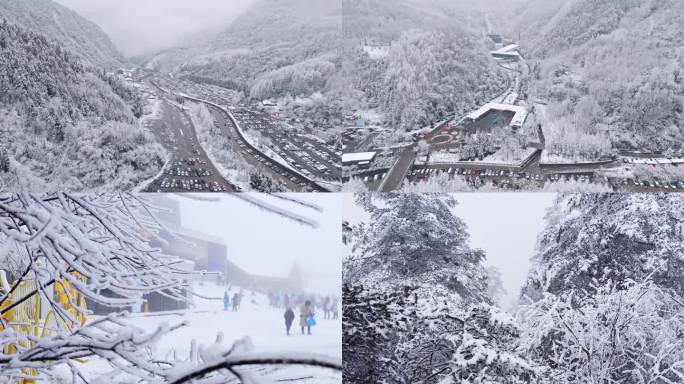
x=57 y=250
x=230 y=362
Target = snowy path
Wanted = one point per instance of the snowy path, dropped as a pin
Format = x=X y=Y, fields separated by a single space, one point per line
x=263 y=324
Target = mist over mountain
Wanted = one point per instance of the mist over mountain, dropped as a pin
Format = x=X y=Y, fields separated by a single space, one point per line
x=611 y=70
x=417 y=61
x=143 y=28
x=267 y=49
x=67 y=123
x=60 y=24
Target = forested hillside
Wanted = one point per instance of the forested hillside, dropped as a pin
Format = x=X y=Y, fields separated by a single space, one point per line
x=282 y=42
x=411 y=61
x=416 y=61
x=278 y=49
x=604 y=301
x=60 y=24
x=611 y=70
x=416 y=304
x=65 y=125
x=595 y=240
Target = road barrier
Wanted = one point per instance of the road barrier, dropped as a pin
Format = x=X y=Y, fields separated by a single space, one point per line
x=298 y=175
x=578 y=166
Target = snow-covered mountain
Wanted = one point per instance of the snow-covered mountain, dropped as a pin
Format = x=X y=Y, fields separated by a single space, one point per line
x=415 y=299
x=65 y=124
x=611 y=70
x=416 y=61
x=274 y=48
x=280 y=50
x=60 y=24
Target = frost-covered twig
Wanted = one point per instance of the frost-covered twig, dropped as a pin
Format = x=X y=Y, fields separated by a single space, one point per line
x=231 y=362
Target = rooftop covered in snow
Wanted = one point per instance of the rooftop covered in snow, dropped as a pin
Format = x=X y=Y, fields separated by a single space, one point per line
x=508 y=49
x=517 y=121
x=351 y=158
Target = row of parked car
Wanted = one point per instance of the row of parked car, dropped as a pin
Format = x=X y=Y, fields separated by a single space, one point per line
x=190 y=185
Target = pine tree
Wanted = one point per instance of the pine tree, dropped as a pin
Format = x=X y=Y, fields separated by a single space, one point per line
x=603 y=301
x=417 y=236
x=594 y=240
x=416 y=303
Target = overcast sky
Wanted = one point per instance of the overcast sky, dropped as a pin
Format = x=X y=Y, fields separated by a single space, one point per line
x=142 y=26
x=504 y=225
x=265 y=243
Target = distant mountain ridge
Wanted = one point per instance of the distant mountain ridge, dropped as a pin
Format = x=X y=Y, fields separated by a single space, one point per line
x=60 y=24
x=275 y=41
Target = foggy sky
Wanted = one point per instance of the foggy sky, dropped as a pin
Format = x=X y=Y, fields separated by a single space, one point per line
x=267 y=244
x=146 y=26
x=504 y=225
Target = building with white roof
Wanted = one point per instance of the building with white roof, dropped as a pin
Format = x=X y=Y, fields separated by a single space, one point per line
x=358 y=158
x=509 y=52
x=508 y=48
x=516 y=122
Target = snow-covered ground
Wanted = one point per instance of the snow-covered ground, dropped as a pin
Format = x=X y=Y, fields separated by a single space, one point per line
x=498 y=158
x=261 y=323
x=549 y=158
x=653 y=161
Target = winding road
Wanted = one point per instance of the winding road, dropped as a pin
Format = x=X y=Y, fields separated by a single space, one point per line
x=227 y=122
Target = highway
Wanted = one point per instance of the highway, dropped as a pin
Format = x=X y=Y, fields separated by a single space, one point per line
x=262 y=160
x=189 y=168
x=396 y=176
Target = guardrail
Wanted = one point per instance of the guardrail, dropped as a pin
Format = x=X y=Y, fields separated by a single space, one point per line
x=577 y=166
x=475 y=164
x=293 y=173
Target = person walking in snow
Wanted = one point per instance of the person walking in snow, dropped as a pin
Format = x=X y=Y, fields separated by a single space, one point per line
x=236 y=302
x=326 y=308
x=306 y=316
x=226 y=301
x=335 y=310
x=289 y=318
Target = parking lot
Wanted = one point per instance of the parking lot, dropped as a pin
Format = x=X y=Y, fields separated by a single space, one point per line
x=307 y=155
x=508 y=179
x=190 y=174
x=189 y=169
x=293 y=181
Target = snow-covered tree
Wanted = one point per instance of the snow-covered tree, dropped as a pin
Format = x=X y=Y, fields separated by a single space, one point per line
x=626 y=334
x=264 y=184
x=604 y=298
x=417 y=236
x=59 y=251
x=594 y=240
x=416 y=301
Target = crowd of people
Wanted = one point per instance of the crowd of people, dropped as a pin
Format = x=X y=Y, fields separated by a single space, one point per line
x=306 y=305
